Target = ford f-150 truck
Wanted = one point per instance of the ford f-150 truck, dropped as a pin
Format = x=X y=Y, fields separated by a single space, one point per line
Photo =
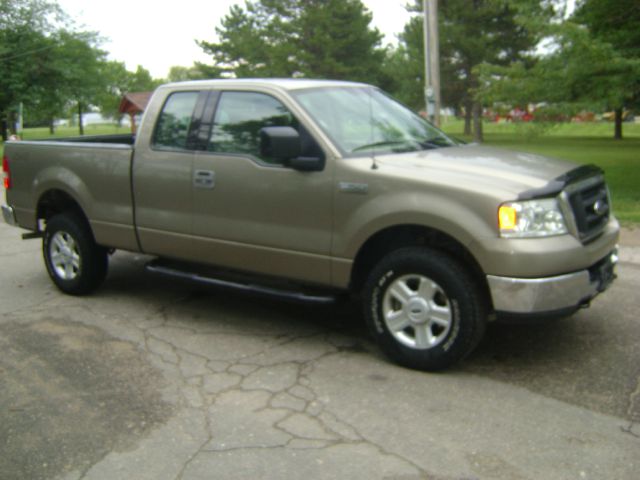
x=308 y=188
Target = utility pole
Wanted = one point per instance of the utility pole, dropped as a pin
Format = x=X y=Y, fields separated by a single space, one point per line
x=431 y=61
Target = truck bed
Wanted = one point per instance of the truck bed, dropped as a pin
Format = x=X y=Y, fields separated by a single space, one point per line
x=94 y=171
x=121 y=138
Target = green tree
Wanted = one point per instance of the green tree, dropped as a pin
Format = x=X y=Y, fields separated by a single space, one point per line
x=46 y=64
x=142 y=81
x=119 y=81
x=80 y=63
x=182 y=74
x=589 y=64
x=617 y=23
x=471 y=33
x=334 y=40
x=304 y=38
x=25 y=46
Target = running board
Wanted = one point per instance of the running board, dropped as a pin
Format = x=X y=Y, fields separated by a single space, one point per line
x=284 y=294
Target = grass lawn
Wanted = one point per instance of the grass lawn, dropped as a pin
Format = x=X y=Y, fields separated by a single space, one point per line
x=93 y=129
x=581 y=143
x=40 y=133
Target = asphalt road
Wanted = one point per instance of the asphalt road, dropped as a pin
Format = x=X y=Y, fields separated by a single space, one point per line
x=154 y=379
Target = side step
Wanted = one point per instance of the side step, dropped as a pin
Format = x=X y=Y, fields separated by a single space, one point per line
x=240 y=283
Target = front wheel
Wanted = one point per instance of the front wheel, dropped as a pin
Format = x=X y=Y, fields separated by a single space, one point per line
x=75 y=263
x=423 y=308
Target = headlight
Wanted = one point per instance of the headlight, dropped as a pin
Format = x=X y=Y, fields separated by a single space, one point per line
x=533 y=218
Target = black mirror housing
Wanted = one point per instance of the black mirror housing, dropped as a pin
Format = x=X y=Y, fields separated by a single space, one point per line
x=307 y=164
x=284 y=143
x=280 y=142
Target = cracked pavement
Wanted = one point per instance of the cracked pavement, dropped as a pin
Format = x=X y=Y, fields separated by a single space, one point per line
x=152 y=378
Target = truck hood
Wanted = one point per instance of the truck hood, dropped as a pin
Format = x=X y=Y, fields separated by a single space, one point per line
x=504 y=170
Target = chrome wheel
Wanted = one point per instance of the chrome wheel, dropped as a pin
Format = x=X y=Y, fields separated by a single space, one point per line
x=64 y=255
x=417 y=311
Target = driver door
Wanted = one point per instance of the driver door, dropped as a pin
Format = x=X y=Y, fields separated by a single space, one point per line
x=255 y=213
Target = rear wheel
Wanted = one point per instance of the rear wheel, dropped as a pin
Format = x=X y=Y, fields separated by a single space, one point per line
x=423 y=308
x=75 y=263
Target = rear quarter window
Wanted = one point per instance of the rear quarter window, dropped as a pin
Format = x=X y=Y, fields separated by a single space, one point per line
x=172 y=128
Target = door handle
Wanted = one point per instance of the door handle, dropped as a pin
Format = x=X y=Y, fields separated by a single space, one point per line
x=204 y=179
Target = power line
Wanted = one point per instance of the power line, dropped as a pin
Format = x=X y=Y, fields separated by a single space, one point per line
x=28 y=52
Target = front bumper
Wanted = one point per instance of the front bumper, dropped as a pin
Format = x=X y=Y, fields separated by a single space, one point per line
x=552 y=294
x=9 y=215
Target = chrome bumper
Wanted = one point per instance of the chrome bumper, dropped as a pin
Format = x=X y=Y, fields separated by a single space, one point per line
x=9 y=215
x=550 y=294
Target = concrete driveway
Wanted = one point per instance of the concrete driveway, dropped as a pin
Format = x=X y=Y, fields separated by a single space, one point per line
x=154 y=379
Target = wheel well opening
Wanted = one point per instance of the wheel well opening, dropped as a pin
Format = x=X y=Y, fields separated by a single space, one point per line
x=394 y=238
x=55 y=202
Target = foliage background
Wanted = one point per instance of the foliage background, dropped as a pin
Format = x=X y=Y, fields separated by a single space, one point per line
x=495 y=54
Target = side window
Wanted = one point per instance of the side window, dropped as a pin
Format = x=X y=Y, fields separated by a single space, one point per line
x=174 y=121
x=239 y=118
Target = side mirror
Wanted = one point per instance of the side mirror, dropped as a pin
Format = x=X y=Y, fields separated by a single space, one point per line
x=282 y=143
x=307 y=164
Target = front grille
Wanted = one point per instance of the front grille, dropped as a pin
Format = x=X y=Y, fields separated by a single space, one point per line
x=591 y=209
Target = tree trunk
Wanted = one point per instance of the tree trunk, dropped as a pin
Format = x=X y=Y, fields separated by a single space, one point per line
x=3 y=127
x=52 y=127
x=80 y=126
x=467 y=118
x=12 y=119
x=618 y=124
x=477 y=122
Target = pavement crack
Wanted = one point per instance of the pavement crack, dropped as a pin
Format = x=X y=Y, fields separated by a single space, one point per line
x=241 y=448
x=629 y=429
x=200 y=450
x=364 y=440
x=633 y=412
x=633 y=398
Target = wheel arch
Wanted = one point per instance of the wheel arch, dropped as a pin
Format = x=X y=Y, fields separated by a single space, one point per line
x=56 y=201
x=400 y=236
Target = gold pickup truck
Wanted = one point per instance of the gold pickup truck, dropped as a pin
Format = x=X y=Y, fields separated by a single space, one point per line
x=309 y=189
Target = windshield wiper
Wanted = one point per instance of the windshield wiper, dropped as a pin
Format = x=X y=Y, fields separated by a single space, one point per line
x=431 y=145
x=437 y=142
x=386 y=143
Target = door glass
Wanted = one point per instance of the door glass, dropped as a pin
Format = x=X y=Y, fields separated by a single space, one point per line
x=173 y=124
x=239 y=118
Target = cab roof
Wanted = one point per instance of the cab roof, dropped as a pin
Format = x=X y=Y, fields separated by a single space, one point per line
x=280 y=83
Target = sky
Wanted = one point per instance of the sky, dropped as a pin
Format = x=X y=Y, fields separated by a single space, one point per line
x=161 y=34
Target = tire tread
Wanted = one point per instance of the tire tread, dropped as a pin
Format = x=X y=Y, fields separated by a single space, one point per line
x=447 y=270
x=94 y=258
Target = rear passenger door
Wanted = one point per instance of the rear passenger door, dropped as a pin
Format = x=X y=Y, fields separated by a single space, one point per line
x=252 y=212
x=162 y=175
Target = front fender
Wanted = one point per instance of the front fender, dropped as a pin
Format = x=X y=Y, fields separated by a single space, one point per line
x=447 y=215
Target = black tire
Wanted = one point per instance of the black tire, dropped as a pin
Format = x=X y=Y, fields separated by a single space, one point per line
x=432 y=303
x=75 y=263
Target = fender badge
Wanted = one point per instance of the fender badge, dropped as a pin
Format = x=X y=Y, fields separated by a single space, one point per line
x=349 y=187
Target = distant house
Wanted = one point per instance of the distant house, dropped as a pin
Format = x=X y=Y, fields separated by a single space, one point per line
x=134 y=104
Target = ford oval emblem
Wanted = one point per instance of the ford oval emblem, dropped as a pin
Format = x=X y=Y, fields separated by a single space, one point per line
x=599 y=207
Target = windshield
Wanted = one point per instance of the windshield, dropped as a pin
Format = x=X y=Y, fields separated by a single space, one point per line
x=364 y=120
